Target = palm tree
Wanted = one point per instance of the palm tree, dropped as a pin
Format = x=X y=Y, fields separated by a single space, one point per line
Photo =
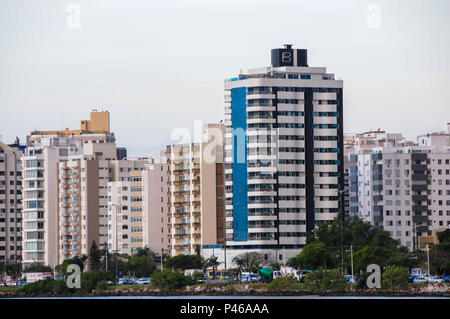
x=240 y=262
x=213 y=262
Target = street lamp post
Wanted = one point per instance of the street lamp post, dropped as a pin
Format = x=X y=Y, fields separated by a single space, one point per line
x=351 y=257
x=416 y=242
x=341 y=193
x=118 y=209
x=162 y=254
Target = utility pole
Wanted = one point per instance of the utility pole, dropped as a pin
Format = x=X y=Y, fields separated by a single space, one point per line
x=342 y=218
x=428 y=260
x=351 y=257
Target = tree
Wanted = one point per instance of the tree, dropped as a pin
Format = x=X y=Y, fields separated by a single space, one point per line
x=313 y=256
x=444 y=236
x=94 y=256
x=183 y=262
x=36 y=267
x=144 y=252
x=354 y=232
x=12 y=269
x=141 y=266
x=371 y=255
x=382 y=239
x=249 y=261
x=395 y=278
x=212 y=262
x=275 y=266
x=77 y=260
x=240 y=263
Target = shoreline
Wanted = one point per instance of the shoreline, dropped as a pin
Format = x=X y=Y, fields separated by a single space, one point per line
x=245 y=291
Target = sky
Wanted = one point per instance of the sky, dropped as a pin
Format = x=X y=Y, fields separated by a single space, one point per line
x=160 y=65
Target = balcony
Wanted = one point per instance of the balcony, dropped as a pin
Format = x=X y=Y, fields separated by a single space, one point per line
x=419 y=208
x=419 y=219
x=377 y=198
x=418 y=167
x=378 y=208
x=419 y=188
x=181 y=235
x=418 y=157
x=377 y=187
x=419 y=198
x=377 y=156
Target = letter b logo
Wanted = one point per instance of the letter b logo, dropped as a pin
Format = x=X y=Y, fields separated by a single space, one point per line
x=286 y=57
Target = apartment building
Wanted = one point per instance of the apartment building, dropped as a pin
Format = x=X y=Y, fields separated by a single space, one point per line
x=212 y=185
x=83 y=202
x=41 y=184
x=156 y=210
x=283 y=155
x=403 y=188
x=10 y=202
x=185 y=199
x=125 y=209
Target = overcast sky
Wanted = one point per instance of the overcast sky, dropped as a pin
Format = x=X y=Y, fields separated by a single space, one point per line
x=159 y=65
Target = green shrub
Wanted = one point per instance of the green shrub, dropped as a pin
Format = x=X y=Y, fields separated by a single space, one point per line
x=283 y=283
x=89 y=280
x=395 y=277
x=101 y=286
x=324 y=279
x=361 y=282
x=170 y=279
x=47 y=286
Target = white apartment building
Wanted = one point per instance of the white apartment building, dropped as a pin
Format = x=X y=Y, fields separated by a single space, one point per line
x=283 y=155
x=403 y=189
x=125 y=206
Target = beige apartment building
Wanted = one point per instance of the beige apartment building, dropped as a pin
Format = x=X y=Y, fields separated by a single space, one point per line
x=83 y=202
x=43 y=210
x=155 y=216
x=185 y=199
x=196 y=193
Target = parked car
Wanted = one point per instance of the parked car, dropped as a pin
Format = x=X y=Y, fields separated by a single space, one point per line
x=302 y=275
x=126 y=281
x=143 y=281
x=419 y=280
x=446 y=278
x=411 y=278
x=277 y=274
x=350 y=279
x=250 y=277
x=435 y=280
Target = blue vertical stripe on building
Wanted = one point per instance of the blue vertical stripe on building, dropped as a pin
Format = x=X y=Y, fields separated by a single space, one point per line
x=240 y=189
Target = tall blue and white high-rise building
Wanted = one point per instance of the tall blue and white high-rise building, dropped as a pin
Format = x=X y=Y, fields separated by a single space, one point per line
x=283 y=155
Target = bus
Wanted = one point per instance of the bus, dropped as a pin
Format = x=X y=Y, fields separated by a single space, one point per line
x=220 y=274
